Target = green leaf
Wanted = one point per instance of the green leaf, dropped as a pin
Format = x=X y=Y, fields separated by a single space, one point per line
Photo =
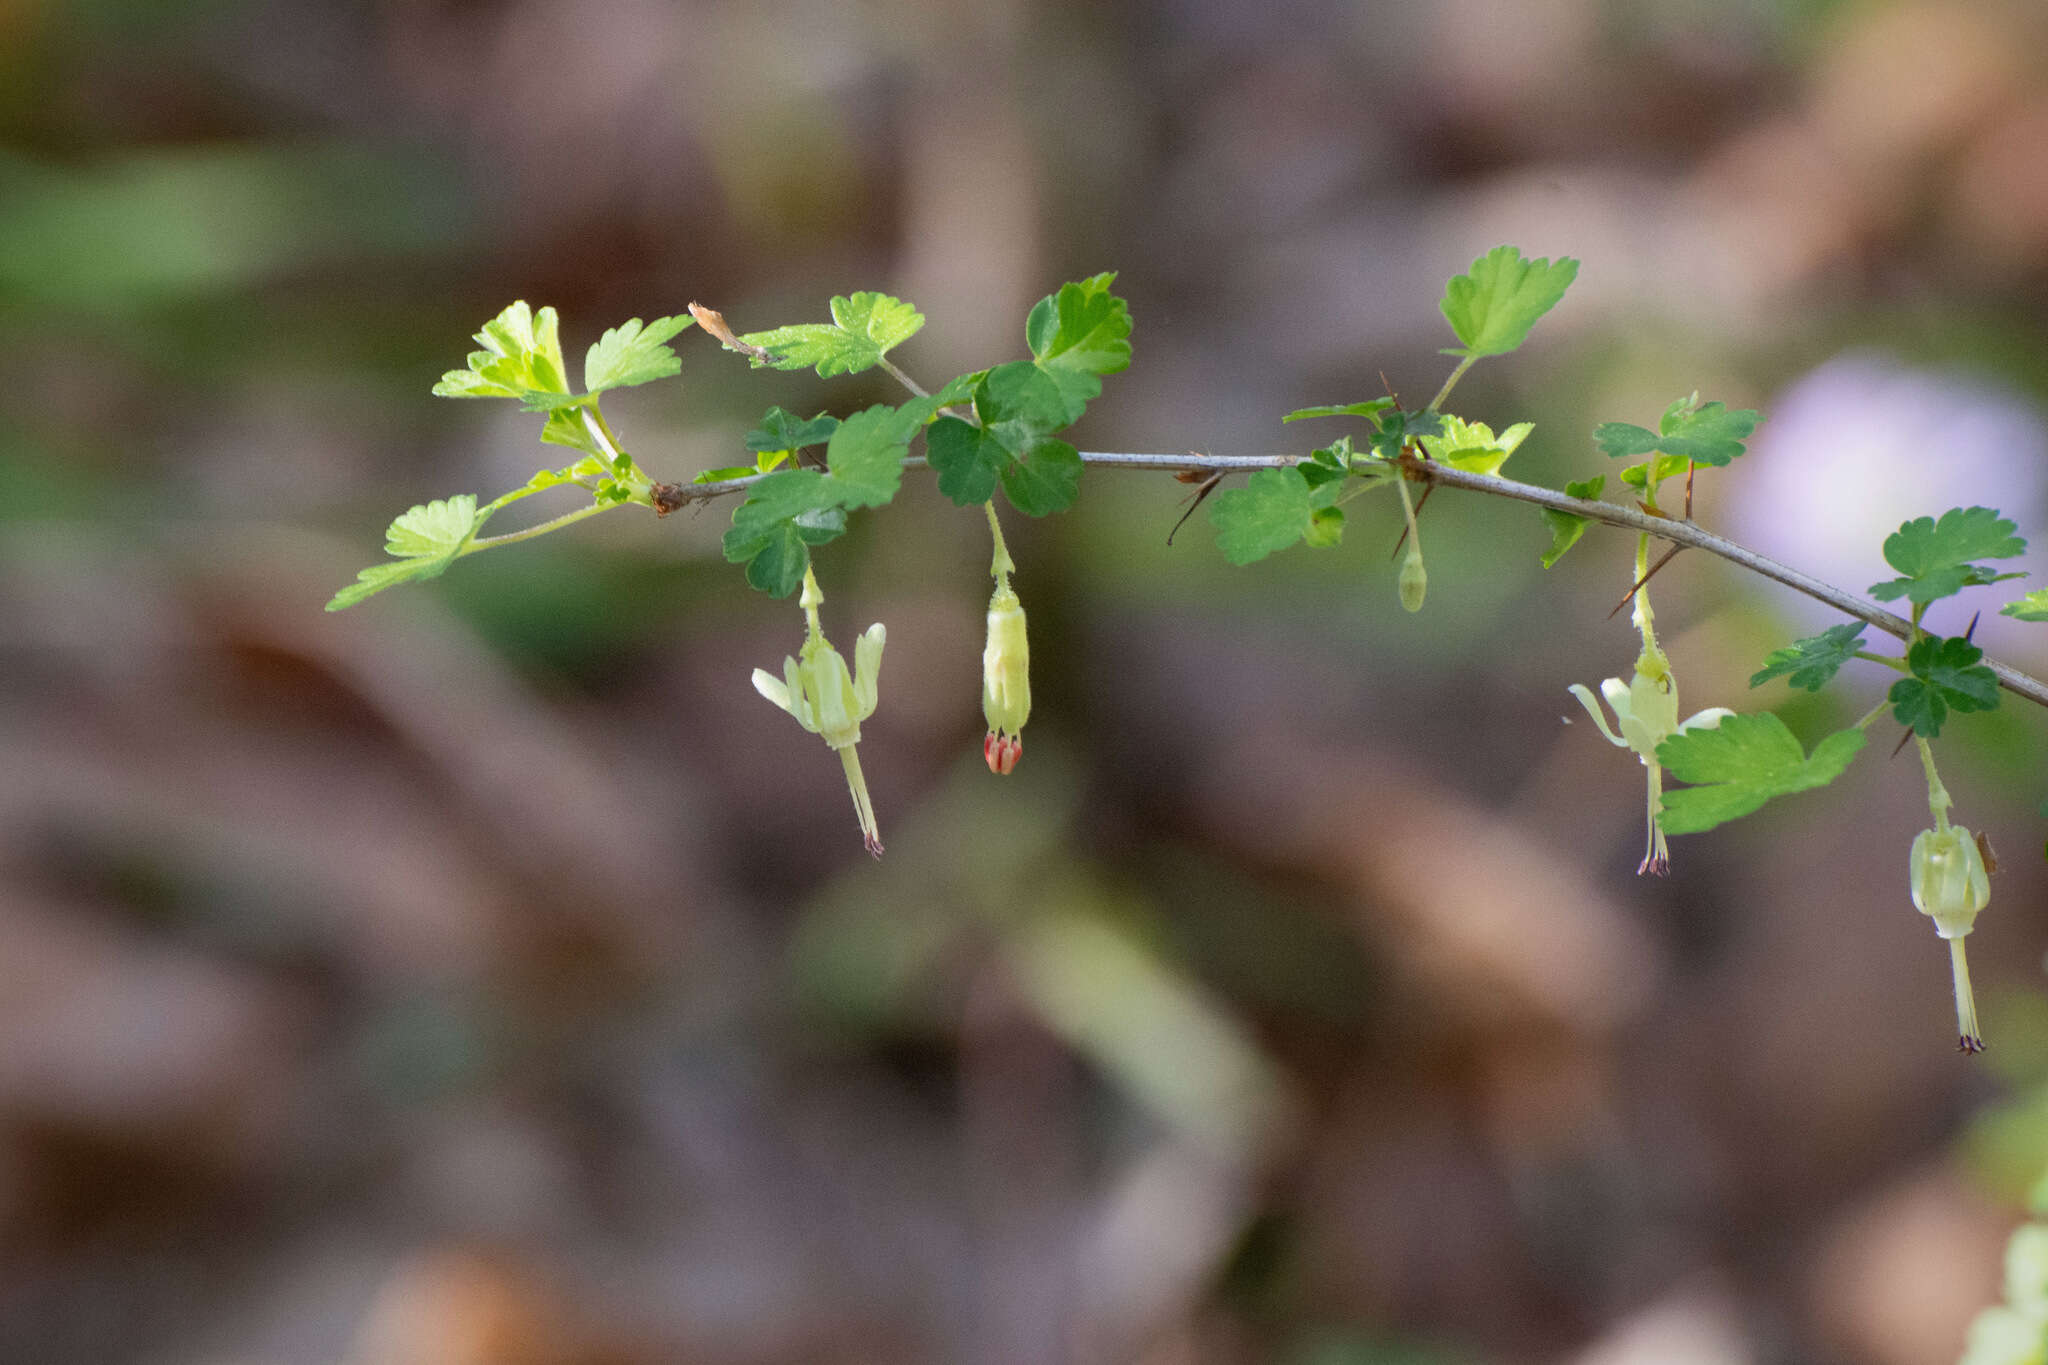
x=1946 y=677
x=1933 y=555
x=1020 y=403
x=2032 y=607
x=1397 y=428
x=1325 y=528
x=632 y=354
x=967 y=459
x=1045 y=480
x=565 y=427
x=1740 y=764
x=1327 y=465
x=426 y=539
x=784 y=514
x=1813 y=661
x=1567 y=527
x=1271 y=512
x=1472 y=446
x=1371 y=407
x=865 y=455
x=522 y=354
x=1709 y=433
x=783 y=430
x=1493 y=306
x=864 y=327
x=1082 y=328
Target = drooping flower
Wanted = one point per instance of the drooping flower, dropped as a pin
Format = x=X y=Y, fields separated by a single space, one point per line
x=1646 y=711
x=826 y=699
x=1950 y=885
x=1005 y=679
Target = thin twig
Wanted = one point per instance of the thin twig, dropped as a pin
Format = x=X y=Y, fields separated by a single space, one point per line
x=1433 y=473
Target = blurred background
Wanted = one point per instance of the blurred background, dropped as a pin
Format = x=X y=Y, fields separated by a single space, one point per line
x=487 y=976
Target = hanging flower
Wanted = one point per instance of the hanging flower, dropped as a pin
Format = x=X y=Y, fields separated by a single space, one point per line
x=826 y=699
x=1646 y=711
x=1950 y=885
x=1005 y=679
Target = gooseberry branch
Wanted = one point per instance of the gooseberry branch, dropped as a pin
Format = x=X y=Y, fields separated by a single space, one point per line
x=1686 y=533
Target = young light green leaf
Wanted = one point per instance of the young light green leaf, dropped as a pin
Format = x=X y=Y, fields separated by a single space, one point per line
x=1741 y=763
x=425 y=539
x=1044 y=480
x=2032 y=607
x=1083 y=327
x=864 y=327
x=1472 y=446
x=1933 y=555
x=1271 y=512
x=1325 y=528
x=1566 y=527
x=566 y=427
x=522 y=354
x=1813 y=661
x=1646 y=475
x=1371 y=407
x=632 y=354
x=1946 y=677
x=1705 y=433
x=1493 y=306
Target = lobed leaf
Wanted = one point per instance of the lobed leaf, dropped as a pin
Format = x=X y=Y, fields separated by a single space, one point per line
x=1271 y=512
x=633 y=354
x=1946 y=676
x=967 y=459
x=1044 y=480
x=864 y=327
x=1934 y=555
x=1705 y=433
x=1082 y=327
x=1472 y=446
x=1813 y=661
x=1492 y=306
x=522 y=354
x=2032 y=607
x=425 y=539
x=1740 y=764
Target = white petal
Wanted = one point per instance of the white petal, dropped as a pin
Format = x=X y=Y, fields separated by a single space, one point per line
x=771 y=687
x=1705 y=720
x=1585 y=696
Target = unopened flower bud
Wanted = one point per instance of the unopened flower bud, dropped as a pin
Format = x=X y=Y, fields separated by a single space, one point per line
x=1414 y=580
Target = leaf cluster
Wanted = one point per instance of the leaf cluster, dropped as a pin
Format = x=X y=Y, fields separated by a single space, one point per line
x=521 y=359
x=1003 y=438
